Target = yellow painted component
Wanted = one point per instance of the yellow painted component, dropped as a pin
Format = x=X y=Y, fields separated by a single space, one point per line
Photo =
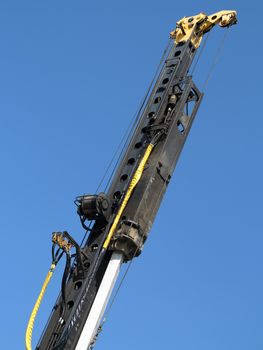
x=196 y=26
x=132 y=185
x=34 y=312
x=63 y=243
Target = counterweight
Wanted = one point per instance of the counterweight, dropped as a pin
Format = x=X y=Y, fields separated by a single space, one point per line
x=122 y=217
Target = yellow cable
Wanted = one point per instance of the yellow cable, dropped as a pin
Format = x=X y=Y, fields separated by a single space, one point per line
x=34 y=312
x=131 y=187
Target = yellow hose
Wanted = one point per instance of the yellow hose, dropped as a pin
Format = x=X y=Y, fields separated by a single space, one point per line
x=34 y=312
x=131 y=187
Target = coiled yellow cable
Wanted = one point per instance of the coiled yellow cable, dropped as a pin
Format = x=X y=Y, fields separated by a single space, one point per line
x=34 y=312
x=133 y=183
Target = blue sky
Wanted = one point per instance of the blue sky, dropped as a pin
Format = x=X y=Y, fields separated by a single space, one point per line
x=72 y=76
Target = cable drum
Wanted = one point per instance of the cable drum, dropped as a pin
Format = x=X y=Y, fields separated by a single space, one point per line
x=93 y=207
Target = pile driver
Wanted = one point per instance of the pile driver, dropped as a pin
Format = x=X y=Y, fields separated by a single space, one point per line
x=118 y=222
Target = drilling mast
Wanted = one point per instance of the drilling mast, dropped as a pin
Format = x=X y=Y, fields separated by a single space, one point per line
x=122 y=218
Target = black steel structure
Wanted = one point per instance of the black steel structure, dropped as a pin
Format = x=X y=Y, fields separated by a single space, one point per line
x=167 y=112
x=165 y=122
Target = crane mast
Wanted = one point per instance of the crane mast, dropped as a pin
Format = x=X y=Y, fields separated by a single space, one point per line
x=122 y=218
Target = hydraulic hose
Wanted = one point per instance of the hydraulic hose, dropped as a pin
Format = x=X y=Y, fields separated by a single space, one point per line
x=132 y=185
x=34 y=312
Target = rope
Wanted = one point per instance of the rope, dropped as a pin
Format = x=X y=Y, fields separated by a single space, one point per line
x=34 y=312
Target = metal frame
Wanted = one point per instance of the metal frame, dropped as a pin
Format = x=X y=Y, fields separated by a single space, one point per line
x=146 y=198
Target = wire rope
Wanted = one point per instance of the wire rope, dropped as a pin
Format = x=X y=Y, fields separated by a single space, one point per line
x=200 y=53
x=216 y=59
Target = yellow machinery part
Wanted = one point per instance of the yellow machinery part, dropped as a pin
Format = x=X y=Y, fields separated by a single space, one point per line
x=196 y=26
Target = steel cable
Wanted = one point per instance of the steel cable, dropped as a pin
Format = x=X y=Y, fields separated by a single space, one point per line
x=216 y=59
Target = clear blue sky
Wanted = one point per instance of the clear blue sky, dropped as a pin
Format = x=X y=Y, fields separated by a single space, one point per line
x=72 y=74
